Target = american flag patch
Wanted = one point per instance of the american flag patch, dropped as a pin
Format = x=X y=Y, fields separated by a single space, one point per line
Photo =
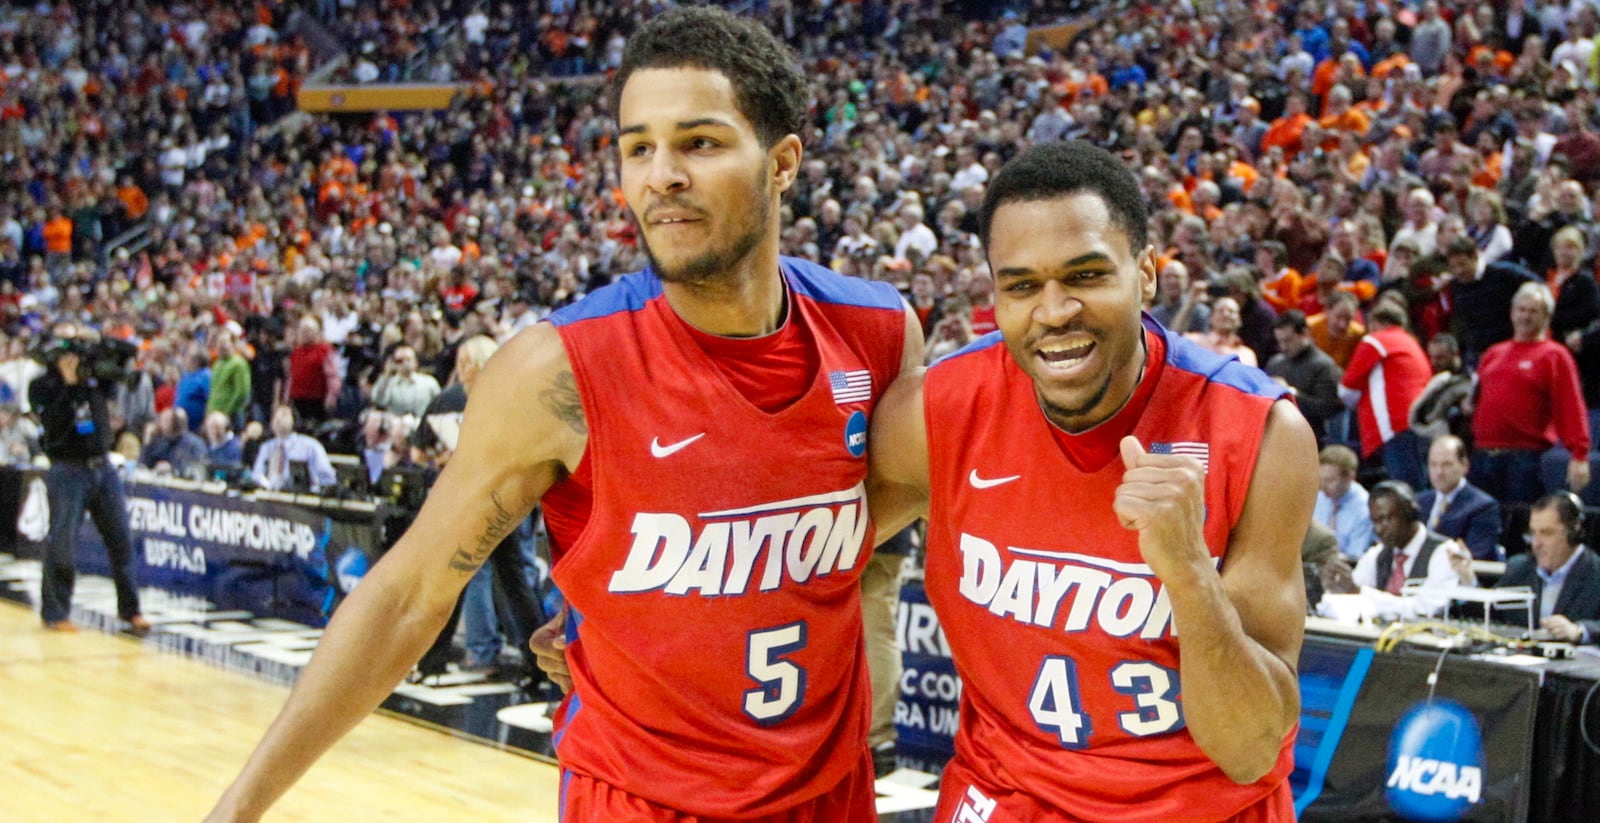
x=851 y=386
x=1192 y=448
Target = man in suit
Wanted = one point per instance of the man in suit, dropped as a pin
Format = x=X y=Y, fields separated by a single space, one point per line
x=1456 y=508
x=1563 y=573
x=1409 y=551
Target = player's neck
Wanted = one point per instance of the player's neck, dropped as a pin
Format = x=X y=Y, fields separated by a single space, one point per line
x=748 y=304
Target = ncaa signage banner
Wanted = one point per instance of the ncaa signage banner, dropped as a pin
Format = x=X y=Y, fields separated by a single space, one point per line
x=1379 y=742
x=263 y=557
x=925 y=717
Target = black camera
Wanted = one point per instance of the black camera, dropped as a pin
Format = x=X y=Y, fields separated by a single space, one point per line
x=108 y=360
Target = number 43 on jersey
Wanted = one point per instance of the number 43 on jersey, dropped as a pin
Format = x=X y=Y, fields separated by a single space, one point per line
x=1056 y=706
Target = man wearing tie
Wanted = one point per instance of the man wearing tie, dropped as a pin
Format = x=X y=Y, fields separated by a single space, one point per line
x=1407 y=550
x=1563 y=573
x=1456 y=508
x=1341 y=501
x=286 y=446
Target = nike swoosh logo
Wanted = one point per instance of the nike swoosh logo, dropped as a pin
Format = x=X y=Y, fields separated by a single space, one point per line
x=658 y=450
x=982 y=483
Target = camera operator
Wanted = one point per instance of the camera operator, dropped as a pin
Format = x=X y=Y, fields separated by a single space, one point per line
x=72 y=401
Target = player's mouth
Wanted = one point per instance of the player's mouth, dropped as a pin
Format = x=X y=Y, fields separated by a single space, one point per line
x=671 y=219
x=1064 y=356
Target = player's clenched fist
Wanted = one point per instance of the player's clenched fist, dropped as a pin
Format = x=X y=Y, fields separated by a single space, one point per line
x=1163 y=498
x=549 y=646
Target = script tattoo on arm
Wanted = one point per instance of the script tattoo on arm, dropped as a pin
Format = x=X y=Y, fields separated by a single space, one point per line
x=500 y=523
x=563 y=401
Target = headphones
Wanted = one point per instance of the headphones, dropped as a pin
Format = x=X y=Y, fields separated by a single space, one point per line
x=1400 y=492
x=1569 y=508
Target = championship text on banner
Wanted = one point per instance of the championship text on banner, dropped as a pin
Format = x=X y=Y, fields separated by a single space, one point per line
x=268 y=558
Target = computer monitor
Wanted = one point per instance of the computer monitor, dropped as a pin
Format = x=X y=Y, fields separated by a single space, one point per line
x=405 y=486
x=350 y=476
x=299 y=476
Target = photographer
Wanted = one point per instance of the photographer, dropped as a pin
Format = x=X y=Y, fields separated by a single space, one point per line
x=71 y=400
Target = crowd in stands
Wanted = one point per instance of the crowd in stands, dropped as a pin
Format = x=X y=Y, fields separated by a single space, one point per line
x=1387 y=206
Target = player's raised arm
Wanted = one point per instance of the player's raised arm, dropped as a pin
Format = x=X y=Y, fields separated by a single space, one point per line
x=522 y=430
x=1240 y=631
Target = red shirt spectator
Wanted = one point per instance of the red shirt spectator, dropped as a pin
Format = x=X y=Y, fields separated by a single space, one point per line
x=1386 y=374
x=1528 y=389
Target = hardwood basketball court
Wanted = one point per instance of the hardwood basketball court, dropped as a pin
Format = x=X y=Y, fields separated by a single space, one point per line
x=98 y=727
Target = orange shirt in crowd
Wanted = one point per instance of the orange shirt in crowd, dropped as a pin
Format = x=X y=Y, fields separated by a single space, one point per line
x=1284 y=291
x=1383 y=68
x=134 y=200
x=1352 y=120
x=1285 y=133
x=1339 y=349
x=1245 y=173
x=58 y=235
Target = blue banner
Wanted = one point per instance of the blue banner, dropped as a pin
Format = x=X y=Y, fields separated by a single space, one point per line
x=926 y=715
x=268 y=558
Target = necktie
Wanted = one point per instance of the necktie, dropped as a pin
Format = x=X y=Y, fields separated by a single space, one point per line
x=1438 y=512
x=275 y=469
x=1397 y=574
x=1333 y=515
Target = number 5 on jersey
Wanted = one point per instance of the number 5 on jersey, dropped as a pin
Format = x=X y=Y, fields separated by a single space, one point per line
x=783 y=682
x=1055 y=704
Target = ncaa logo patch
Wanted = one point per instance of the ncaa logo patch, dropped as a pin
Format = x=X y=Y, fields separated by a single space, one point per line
x=1435 y=762
x=855 y=434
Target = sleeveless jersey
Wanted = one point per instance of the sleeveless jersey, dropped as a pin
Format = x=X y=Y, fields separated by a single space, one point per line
x=1061 y=633
x=710 y=552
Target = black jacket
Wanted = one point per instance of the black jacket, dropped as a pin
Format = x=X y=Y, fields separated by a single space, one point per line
x=1580 y=594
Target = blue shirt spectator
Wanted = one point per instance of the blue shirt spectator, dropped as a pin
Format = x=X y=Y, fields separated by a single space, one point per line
x=1342 y=502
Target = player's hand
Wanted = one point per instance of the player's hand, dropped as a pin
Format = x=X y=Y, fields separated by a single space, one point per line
x=549 y=646
x=1163 y=497
x=1577 y=474
x=1562 y=628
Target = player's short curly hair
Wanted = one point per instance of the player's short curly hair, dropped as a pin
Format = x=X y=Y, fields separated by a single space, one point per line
x=1067 y=167
x=768 y=86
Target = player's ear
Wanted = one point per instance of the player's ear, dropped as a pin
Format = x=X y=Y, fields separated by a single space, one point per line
x=1147 y=273
x=784 y=161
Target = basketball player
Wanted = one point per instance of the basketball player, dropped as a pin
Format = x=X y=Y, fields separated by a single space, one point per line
x=697 y=434
x=1093 y=483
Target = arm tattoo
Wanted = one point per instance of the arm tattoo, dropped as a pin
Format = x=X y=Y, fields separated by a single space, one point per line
x=496 y=527
x=563 y=401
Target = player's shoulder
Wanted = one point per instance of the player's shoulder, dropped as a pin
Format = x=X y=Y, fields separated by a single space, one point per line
x=824 y=285
x=970 y=354
x=532 y=356
x=628 y=293
x=1186 y=360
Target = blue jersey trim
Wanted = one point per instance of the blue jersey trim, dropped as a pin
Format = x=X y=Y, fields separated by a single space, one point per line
x=825 y=285
x=629 y=292
x=987 y=341
x=1217 y=368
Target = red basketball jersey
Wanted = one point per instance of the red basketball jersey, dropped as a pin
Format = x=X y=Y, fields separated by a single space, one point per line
x=1061 y=633
x=710 y=552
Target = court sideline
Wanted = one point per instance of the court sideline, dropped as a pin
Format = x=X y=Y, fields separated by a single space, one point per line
x=105 y=728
